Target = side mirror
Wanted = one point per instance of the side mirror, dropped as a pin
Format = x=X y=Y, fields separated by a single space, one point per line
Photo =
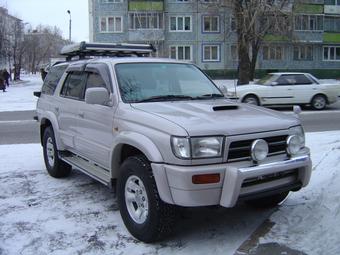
x=97 y=96
x=297 y=110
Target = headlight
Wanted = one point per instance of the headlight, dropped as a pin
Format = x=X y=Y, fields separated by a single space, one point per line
x=206 y=147
x=181 y=147
x=300 y=133
x=197 y=147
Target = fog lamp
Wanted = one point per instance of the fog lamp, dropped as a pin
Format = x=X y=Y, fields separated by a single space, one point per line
x=259 y=150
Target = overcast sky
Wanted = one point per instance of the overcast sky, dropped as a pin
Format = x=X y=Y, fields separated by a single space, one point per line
x=53 y=13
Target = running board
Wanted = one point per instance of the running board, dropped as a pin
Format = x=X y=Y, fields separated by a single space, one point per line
x=96 y=172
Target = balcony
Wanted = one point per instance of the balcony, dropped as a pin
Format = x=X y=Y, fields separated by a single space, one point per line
x=332 y=9
x=146 y=35
x=331 y=37
x=146 y=5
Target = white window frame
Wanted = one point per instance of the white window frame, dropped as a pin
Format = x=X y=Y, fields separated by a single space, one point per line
x=308 y=22
x=303 y=49
x=183 y=17
x=160 y=21
x=112 y=1
x=107 y=24
x=210 y=20
x=210 y=46
x=180 y=46
x=275 y=48
x=329 y=53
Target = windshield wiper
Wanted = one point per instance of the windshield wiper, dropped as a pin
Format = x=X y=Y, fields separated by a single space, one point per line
x=164 y=98
x=209 y=96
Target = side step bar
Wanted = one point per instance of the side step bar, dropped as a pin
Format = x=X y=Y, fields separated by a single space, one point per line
x=96 y=172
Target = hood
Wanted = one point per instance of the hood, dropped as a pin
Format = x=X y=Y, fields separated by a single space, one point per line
x=219 y=117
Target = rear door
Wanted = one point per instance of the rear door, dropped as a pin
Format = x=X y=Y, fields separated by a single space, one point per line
x=95 y=124
x=304 y=89
x=67 y=107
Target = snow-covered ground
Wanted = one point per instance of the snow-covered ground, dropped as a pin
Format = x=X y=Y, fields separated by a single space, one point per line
x=76 y=215
x=19 y=96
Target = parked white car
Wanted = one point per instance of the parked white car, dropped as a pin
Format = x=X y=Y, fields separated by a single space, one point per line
x=287 y=88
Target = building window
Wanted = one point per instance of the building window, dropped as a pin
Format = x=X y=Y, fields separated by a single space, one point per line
x=145 y=20
x=180 y=24
x=211 y=53
x=211 y=24
x=233 y=24
x=111 y=1
x=111 y=24
x=309 y=23
x=234 y=52
x=332 y=2
x=303 y=53
x=210 y=1
x=272 y=53
x=331 y=53
x=332 y=24
x=181 y=52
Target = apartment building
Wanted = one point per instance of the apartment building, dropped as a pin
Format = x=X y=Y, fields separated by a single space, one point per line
x=203 y=32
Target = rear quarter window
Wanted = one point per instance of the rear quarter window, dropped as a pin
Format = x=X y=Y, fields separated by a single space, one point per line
x=52 y=79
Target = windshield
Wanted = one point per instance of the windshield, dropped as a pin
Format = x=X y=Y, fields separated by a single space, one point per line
x=143 y=82
x=268 y=79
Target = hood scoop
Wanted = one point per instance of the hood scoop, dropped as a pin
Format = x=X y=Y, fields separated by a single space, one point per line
x=225 y=108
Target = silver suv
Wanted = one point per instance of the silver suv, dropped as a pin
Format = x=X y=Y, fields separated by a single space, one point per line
x=164 y=136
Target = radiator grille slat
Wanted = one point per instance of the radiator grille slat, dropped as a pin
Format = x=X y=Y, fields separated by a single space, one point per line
x=240 y=150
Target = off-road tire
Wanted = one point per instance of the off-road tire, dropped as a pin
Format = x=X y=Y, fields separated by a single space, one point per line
x=250 y=99
x=319 y=102
x=56 y=167
x=268 y=202
x=161 y=216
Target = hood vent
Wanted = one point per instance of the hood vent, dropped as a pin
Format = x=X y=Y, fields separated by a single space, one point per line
x=225 y=108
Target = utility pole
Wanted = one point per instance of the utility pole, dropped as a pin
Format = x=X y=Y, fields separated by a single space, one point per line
x=70 y=26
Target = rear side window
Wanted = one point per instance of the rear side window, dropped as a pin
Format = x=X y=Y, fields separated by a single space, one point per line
x=302 y=79
x=74 y=86
x=52 y=79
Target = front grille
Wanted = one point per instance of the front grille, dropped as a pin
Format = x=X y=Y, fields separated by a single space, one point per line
x=241 y=150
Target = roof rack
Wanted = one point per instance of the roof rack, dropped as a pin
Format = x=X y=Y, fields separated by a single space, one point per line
x=84 y=49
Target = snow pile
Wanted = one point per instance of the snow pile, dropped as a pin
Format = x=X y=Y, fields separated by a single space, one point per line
x=310 y=219
x=19 y=96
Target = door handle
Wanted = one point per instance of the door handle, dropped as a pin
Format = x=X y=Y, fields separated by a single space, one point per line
x=81 y=115
x=289 y=89
x=56 y=109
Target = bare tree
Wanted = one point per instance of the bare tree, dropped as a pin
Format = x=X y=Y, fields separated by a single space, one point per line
x=255 y=19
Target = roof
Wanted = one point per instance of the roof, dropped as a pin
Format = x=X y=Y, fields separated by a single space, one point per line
x=285 y=73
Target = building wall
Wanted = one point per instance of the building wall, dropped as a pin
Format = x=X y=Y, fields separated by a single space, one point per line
x=224 y=39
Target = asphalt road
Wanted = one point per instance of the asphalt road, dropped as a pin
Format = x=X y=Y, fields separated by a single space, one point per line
x=19 y=127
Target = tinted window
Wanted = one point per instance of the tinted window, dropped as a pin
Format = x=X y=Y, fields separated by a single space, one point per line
x=73 y=86
x=52 y=79
x=94 y=80
x=302 y=79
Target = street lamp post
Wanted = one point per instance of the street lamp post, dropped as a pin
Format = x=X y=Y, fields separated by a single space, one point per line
x=70 y=26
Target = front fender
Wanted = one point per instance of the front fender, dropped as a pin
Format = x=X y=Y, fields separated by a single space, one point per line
x=137 y=140
x=50 y=116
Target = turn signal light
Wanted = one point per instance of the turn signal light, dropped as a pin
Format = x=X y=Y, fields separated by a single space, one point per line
x=205 y=178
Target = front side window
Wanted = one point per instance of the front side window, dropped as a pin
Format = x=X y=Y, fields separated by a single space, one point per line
x=94 y=80
x=73 y=86
x=164 y=82
x=211 y=53
x=211 y=24
x=180 y=24
x=112 y=24
x=181 y=52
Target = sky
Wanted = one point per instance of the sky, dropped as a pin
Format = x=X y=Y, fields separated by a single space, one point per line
x=53 y=13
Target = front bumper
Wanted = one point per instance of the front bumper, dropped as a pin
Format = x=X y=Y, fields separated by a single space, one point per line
x=238 y=180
